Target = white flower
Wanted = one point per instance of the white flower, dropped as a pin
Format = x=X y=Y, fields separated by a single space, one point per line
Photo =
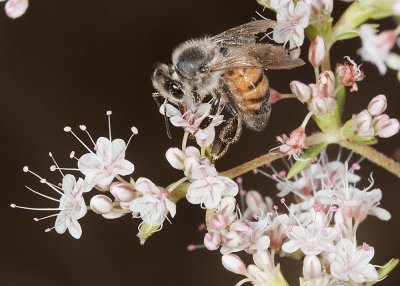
x=376 y=48
x=190 y=119
x=16 y=8
x=291 y=22
x=72 y=206
x=355 y=203
x=154 y=205
x=208 y=188
x=108 y=162
x=311 y=239
x=350 y=263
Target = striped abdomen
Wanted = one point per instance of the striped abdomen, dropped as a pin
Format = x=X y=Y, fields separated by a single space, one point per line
x=249 y=93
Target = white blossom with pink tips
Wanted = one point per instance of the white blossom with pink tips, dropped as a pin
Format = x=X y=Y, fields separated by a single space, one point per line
x=348 y=263
x=108 y=162
x=154 y=204
x=291 y=21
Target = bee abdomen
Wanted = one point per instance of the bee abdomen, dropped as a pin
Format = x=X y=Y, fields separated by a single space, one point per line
x=250 y=93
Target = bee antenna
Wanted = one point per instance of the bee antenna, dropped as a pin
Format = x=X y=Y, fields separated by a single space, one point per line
x=167 y=122
x=156 y=95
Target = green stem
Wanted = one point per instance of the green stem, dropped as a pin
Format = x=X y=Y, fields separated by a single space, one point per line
x=374 y=156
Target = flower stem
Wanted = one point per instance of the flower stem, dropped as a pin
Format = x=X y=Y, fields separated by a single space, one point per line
x=374 y=156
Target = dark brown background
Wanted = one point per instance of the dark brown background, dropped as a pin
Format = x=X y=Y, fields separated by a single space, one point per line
x=65 y=63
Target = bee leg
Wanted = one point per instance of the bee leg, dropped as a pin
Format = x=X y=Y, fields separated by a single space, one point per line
x=213 y=111
x=229 y=135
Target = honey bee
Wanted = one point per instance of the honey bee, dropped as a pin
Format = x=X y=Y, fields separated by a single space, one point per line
x=229 y=67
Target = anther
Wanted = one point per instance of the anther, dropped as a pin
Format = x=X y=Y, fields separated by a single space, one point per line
x=109 y=112
x=67 y=129
x=53 y=168
x=134 y=130
x=25 y=169
x=82 y=127
x=72 y=155
x=239 y=180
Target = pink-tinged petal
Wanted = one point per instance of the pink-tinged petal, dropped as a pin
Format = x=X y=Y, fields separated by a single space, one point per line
x=68 y=184
x=74 y=228
x=234 y=264
x=179 y=121
x=123 y=168
x=205 y=137
x=257 y=274
x=113 y=215
x=291 y=246
x=101 y=204
x=203 y=171
x=197 y=192
x=380 y=213
x=82 y=209
x=280 y=34
x=231 y=188
x=203 y=110
x=89 y=164
x=171 y=110
x=144 y=186
x=192 y=151
x=123 y=192
x=176 y=158
x=367 y=272
x=103 y=148
x=171 y=207
x=262 y=243
x=16 y=8
x=118 y=148
x=263 y=259
x=60 y=224
x=338 y=271
x=137 y=205
x=212 y=241
x=103 y=179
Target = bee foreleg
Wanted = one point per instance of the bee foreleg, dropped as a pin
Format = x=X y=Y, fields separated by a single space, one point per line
x=214 y=110
x=229 y=135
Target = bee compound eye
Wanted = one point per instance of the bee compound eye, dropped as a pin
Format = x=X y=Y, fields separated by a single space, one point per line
x=175 y=89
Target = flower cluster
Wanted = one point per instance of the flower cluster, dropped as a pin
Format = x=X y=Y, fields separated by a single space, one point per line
x=320 y=226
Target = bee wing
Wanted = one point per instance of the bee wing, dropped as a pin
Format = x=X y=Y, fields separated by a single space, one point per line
x=243 y=34
x=260 y=56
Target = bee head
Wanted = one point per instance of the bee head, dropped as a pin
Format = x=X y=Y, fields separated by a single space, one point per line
x=169 y=84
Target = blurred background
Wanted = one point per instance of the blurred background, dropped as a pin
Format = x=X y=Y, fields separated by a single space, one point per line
x=66 y=63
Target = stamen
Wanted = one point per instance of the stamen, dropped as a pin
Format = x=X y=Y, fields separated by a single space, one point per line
x=193 y=247
x=83 y=128
x=54 y=160
x=40 y=194
x=14 y=206
x=42 y=218
x=68 y=129
x=201 y=227
x=134 y=132
x=109 y=133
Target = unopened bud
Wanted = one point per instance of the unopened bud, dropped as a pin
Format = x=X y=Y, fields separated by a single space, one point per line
x=322 y=105
x=176 y=158
x=363 y=122
x=234 y=264
x=123 y=192
x=300 y=90
x=377 y=105
x=101 y=204
x=227 y=206
x=218 y=221
x=212 y=241
x=323 y=6
x=326 y=83
x=254 y=201
x=263 y=259
x=311 y=267
x=316 y=53
x=386 y=127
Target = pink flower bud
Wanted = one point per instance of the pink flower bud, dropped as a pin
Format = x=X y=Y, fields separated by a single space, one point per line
x=101 y=204
x=263 y=259
x=234 y=264
x=254 y=201
x=326 y=83
x=227 y=206
x=300 y=90
x=363 y=122
x=176 y=158
x=321 y=105
x=323 y=5
x=123 y=192
x=311 y=267
x=16 y=8
x=212 y=241
x=316 y=52
x=377 y=105
x=386 y=127
x=241 y=226
x=218 y=221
